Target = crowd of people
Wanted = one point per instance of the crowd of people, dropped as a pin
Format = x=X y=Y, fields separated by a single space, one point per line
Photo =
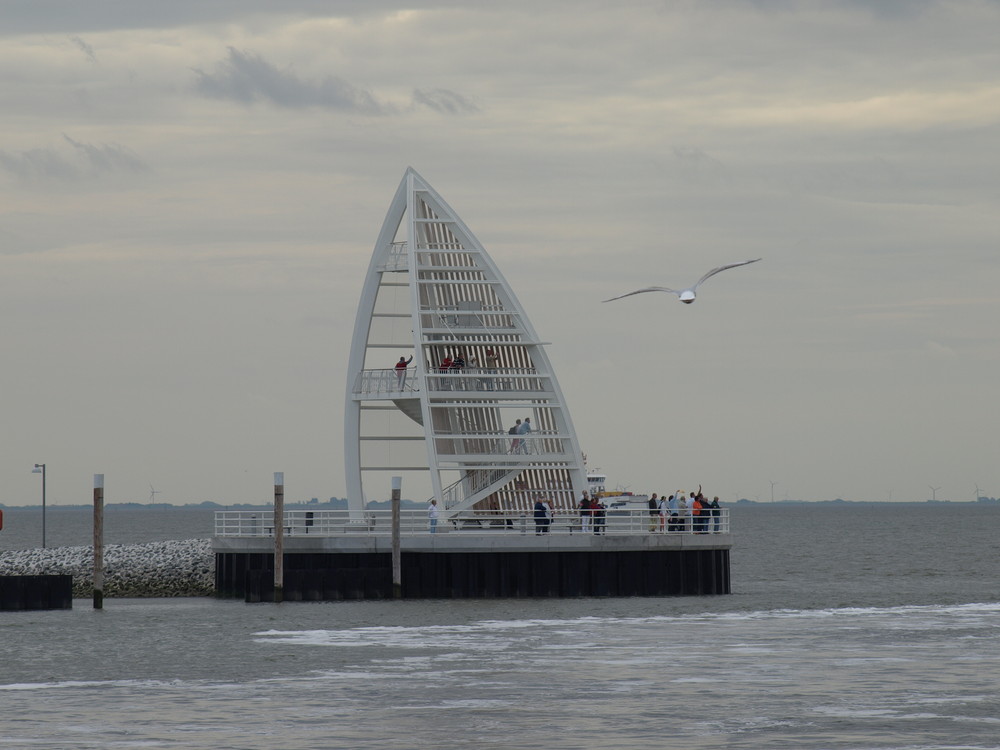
x=593 y=515
x=458 y=365
x=675 y=513
x=679 y=513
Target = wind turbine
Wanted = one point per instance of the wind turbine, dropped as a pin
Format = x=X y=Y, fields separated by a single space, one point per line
x=153 y=493
x=977 y=493
x=934 y=493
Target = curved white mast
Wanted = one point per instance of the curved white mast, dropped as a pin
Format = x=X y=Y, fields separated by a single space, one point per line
x=433 y=291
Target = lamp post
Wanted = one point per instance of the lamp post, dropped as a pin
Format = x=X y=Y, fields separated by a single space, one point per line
x=40 y=469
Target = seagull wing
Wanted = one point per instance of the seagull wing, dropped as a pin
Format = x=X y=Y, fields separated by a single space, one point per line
x=647 y=289
x=714 y=271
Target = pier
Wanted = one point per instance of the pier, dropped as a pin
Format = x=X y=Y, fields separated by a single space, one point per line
x=328 y=556
x=472 y=411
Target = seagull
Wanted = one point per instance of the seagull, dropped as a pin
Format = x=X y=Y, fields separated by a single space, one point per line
x=688 y=295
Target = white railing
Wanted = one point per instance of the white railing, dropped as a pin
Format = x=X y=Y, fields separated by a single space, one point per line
x=536 y=443
x=473 y=482
x=490 y=319
x=327 y=523
x=396 y=258
x=480 y=379
x=390 y=380
x=382 y=382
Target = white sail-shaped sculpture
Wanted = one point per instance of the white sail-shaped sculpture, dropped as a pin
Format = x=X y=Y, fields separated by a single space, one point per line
x=433 y=292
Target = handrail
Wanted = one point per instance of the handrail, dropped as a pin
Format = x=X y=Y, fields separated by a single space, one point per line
x=487 y=379
x=473 y=482
x=387 y=380
x=414 y=521
x=384 y=381
x=396 y=259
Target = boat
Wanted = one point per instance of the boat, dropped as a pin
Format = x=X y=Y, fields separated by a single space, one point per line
x=619 y=499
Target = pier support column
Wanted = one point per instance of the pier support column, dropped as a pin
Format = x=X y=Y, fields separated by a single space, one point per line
x=279 y=536
x=397 y=564
x=98 y=541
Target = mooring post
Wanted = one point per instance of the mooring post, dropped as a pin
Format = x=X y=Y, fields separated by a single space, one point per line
x=279 y=536
x=397 y=563
x=98 y=541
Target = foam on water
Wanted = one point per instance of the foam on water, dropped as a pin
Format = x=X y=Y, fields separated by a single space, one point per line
x=832 y=656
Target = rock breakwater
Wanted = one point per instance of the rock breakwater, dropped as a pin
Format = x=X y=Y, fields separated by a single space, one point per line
x=174 y=568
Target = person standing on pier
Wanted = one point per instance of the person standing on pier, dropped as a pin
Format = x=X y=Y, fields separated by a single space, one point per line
x=585 y=506
x=540 y=517
x=599 y=511
x=683 y=512
x=673 y=511
x=432 y=516
x=654 y=511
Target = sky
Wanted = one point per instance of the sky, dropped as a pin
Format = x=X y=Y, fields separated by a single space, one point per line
x=190 y=194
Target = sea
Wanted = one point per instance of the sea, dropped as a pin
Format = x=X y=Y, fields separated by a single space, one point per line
x=849 y=626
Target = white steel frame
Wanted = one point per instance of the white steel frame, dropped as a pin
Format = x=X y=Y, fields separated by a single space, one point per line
x=458 y=302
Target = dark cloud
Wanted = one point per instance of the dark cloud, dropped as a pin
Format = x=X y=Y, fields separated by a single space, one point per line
x=444 y=101
x=247 y=78
x=85 y=161
x=85 y=48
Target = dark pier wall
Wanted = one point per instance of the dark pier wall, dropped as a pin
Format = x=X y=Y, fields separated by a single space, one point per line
x=36 y=592
x=471 y=575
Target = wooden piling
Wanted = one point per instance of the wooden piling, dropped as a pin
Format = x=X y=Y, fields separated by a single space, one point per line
x=98 y=541
x=279 y=536
x=397 y=564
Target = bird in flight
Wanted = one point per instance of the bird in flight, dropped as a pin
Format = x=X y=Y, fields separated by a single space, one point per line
x=688 y=295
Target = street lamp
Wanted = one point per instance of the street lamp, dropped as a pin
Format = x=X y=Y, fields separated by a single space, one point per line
x=40 y=469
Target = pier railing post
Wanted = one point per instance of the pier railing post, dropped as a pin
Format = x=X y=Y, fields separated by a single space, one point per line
x=98 y=541
x=279 y=536
x=397 y=563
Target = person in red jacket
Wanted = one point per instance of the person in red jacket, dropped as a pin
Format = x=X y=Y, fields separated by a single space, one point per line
x=401 y=371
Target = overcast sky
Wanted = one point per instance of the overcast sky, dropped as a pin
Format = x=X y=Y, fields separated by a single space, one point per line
x=190 y=193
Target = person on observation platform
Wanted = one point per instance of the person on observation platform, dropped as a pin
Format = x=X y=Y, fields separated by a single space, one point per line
x=401 y=371
x=445 y=369
x=523 y=430
x=515 y=444
x=491 y=368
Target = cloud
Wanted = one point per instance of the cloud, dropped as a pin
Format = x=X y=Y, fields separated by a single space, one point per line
x=246 y=77
x=85 y=48
x=444 y=101
x=86 y=161
x=108 y=158
x=38 y=165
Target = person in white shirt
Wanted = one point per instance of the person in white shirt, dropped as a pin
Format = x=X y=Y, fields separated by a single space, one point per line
x=524 y=429
x=432 y=516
